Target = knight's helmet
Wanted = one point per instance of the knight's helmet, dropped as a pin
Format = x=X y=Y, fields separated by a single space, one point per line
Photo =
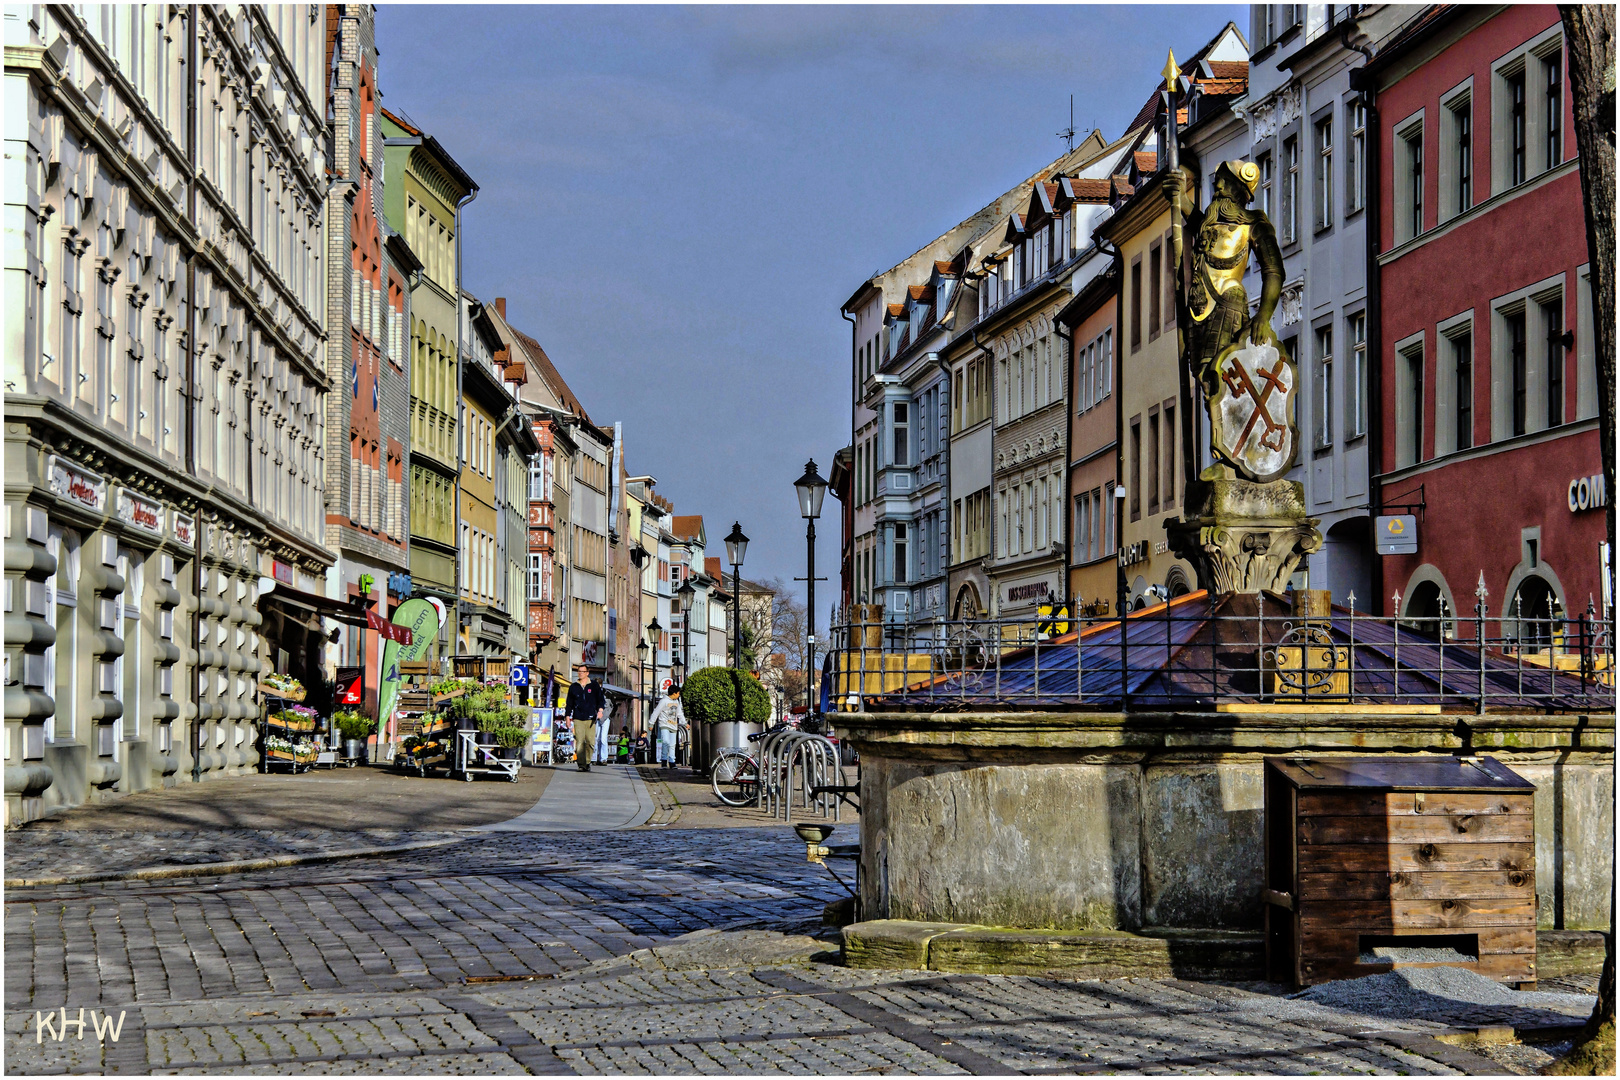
x=1246 y=173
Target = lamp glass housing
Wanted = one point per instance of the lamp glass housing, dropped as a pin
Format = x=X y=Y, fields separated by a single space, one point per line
x=736 y=544
x=684 y=596
x=812 y=489
x=642 y=650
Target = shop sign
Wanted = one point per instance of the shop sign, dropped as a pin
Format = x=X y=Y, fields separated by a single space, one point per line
x=142 y=513
x=1396 y=534
x=399 y=584
x=77 y=485
x=1588 y=493
x=184 y=529
x=390 y=631
x=1018 y=593
x=281 y=572
x=520 y=675
x=1131 y=554
x=587 y=653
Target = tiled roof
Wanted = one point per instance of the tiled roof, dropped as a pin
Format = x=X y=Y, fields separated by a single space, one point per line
x=945 y=266
x=686 y=526
x=548 y=371
x=711 y=566
x=1146 y=161
x=1230 y=69
x=896 y=310
x=1083 y=189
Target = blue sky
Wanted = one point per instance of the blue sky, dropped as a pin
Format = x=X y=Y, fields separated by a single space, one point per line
x=675 y=201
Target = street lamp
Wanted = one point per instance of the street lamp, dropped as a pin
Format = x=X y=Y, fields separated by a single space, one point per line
x=641 y=668
x=736 y=548
x=653 y=630
x=812 y=489
x=683 y=601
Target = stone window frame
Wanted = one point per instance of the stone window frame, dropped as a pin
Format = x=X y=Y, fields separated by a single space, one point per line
x=1523 y=299
x=1451 y=102
x=1402 y=134
x=1446 y=332
x=1407 y=410
x=1528 y=57
x=1324 y=214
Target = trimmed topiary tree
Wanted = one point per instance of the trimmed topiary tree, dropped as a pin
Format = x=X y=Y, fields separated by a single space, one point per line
x=717 y=695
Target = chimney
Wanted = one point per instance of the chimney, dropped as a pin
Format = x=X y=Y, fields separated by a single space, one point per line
x=500 y=307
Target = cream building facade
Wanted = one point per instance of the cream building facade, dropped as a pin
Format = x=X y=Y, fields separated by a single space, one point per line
x=165 y=388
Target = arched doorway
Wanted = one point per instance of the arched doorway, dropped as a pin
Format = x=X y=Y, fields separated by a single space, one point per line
x=1426 y=609
x=1535 y=612
x=967 y=604
x=1176 y=583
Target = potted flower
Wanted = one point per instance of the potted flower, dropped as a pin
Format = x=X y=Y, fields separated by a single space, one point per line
x=354 y=728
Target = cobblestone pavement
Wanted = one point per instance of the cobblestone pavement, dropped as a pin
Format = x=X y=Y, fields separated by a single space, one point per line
x=564 y=953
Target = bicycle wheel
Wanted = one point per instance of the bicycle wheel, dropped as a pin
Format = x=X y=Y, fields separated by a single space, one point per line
x=735 y=779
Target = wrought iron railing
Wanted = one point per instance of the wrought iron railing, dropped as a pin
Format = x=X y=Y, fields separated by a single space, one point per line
x=1204 y=653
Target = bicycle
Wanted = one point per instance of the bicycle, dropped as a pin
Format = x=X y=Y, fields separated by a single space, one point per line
x=734 y=775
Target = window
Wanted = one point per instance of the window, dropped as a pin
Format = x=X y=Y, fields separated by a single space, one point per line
x=1355 y=177
x=901 y=537
x=1519 y=369
x=1290 y=189
x=1324 y=387
x=536 y=576
x=1043 y=520
x=1136 y=468
x=1355 y=413
x=1553 y=117
x=1324 y=172
x=1552 y=322
x=1169 y=456
x=1459 y=114
x=1409 y=406
x=1516 y=128
x=1264 y=161
x=1153 y=463
x=1136 y=305
x=1414 y=183
x=1156 y=285
x=1407 y=183
x=1462 y=357
x=1082 y=527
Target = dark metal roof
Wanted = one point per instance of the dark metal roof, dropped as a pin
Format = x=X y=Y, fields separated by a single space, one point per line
x=1198 y=651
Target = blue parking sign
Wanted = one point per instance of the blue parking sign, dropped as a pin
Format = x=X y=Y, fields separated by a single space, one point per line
x=520 y=674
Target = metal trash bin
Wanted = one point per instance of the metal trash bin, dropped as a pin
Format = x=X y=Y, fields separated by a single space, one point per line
x=1373 y=864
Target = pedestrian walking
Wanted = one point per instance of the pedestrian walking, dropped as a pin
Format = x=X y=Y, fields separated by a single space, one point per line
x=668 y=722
x=584 y=707
x=604 y=738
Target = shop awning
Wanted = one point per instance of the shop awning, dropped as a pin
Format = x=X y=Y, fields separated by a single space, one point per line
x=619 y=690
x=337 y=610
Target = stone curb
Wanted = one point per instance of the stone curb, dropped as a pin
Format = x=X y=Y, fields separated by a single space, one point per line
x=158 y=873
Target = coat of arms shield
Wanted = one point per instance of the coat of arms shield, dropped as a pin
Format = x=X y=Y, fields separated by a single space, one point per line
x=1252 y=412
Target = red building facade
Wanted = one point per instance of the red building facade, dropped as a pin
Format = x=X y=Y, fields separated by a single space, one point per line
x=1487 y=392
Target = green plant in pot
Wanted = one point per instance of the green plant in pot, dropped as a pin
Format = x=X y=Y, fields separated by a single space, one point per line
x=511 y=740
x=354 y=728
x=490 y=720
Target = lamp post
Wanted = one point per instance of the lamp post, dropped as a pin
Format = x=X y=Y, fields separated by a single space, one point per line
x=653 y=630
x=812 y=489
x=736 y=548
x=683 y=601
x=641 y=669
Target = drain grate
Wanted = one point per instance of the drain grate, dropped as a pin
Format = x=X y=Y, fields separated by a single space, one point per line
x=503 y=978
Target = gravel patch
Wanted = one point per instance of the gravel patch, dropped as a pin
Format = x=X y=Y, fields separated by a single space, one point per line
x=1449 y=995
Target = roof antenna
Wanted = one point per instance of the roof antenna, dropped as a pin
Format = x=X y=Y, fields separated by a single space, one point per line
x=1067 y=134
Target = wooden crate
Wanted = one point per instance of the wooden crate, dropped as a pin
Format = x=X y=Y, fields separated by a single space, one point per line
x=1368 y=860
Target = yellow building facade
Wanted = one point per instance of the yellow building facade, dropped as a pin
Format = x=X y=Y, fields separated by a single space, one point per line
x=1149 y=397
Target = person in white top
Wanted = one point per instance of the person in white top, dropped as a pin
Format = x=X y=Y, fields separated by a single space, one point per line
x=668 y=720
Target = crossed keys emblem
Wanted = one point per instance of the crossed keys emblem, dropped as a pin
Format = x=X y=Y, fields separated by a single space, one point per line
x=1239 y=384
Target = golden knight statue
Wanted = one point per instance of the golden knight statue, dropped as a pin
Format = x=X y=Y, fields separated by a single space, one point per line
x=1247 y=378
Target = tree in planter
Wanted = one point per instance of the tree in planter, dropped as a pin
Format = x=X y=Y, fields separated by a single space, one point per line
x=717 y=695
x=352 y=725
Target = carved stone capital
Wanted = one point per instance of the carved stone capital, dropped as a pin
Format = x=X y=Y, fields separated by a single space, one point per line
x=1245 y=537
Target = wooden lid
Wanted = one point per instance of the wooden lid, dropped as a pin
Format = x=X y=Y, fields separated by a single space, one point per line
x=1426 y=773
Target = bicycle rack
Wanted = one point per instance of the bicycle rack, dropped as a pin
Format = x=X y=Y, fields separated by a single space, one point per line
x=812 y=757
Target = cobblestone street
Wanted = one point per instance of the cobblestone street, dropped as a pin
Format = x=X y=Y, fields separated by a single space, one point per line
x=589 y=953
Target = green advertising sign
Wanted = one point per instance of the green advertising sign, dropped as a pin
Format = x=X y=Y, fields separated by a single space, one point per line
x=422 y=618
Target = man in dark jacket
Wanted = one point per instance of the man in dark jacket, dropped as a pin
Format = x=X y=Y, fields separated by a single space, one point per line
x=584 y=707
